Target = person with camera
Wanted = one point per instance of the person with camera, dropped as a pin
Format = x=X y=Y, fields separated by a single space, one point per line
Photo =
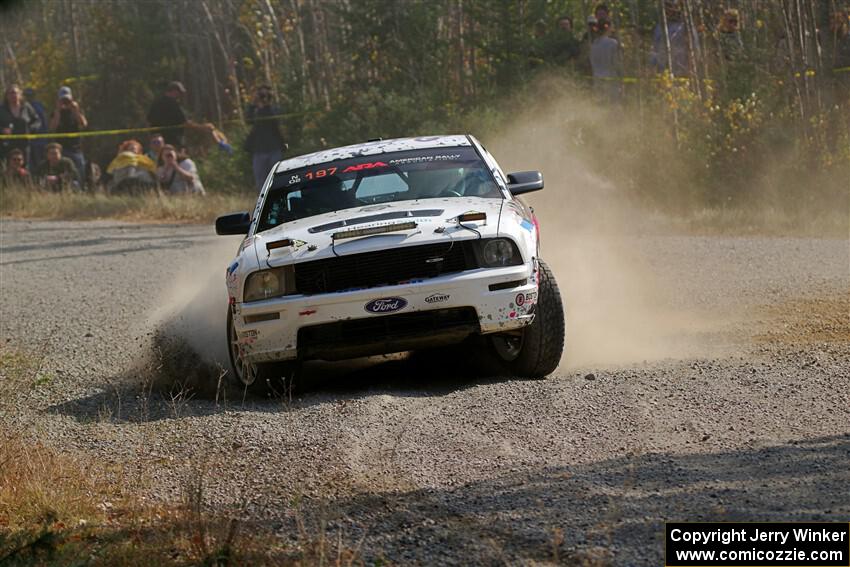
x=178 y=174
x=265 y=141
x=67 y=118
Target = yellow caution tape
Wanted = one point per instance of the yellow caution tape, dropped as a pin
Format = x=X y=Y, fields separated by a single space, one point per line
x=84 y=134
x=639 y=79
x=93 y=133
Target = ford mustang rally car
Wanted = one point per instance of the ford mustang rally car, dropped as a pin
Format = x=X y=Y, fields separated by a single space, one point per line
x=390 y=246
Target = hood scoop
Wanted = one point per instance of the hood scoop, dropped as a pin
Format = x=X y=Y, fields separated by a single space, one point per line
x=392 y=215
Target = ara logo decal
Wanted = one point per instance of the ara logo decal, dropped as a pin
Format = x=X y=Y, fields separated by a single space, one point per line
x=386 y=305
x=437 y=298
x=520 y=299
x=362 y=166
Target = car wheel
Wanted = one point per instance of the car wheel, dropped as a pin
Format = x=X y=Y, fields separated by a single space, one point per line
x=535 y=350
x=269 y=379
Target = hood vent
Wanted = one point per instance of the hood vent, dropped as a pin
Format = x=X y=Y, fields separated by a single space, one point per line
x=392 y=215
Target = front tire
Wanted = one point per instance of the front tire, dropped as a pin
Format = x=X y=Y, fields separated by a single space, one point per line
x=535 y=350
x=268 y=379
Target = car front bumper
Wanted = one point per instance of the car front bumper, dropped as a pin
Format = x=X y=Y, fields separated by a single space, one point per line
x=503 y=299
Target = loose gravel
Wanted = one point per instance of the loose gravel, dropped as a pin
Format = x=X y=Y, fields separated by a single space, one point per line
x=412 y=455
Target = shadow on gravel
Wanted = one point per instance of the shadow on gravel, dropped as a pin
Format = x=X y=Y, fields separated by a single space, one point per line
x=101 y=241
x=112 y=252
x=174 y=381
x=608 y=512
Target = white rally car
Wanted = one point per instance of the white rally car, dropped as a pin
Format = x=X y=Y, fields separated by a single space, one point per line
x=390 y=246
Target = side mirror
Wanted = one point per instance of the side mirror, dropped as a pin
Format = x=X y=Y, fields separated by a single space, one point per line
x=234 y=223
x=525 y=182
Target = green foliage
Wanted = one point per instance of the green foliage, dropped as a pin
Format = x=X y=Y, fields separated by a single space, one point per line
x=381 y=68
x=227 y=173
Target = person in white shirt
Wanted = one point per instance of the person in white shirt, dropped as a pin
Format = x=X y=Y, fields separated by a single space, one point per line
x=178 y=175
x=606 y=64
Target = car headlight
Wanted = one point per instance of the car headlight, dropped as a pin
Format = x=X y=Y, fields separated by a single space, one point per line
x=266 y=284
x=498 y=252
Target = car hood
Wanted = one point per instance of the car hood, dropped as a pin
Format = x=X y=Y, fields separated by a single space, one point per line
x=436 y=220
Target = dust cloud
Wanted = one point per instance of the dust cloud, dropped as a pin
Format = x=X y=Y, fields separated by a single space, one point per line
x=187 y=348
x=617 y=310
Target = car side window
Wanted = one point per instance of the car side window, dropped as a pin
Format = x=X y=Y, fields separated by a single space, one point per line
x=494 y=167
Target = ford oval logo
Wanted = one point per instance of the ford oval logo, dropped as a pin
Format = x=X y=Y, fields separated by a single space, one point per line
x=386 y=305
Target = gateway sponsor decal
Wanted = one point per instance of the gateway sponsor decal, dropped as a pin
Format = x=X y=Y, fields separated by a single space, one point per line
x=437 y=298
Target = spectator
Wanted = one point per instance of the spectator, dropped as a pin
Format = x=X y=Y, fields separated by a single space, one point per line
x=264 y=142
x=601 y=12
x=178 y=174
x=17 y=117
x=39 y=145
x=606 y=64
x=677 y=35
x=565 y=47
x=186 y=163
x=57 y=173
x=15 y=171
x=166 y=113
x=155 y=144
x=540 y=29
x=729 y=36
x=591 y=31
x=131 y=170
x=67 y=118
x=737 y=71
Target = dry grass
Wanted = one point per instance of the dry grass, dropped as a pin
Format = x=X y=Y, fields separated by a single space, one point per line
x=57 y=509
x=22 y=202
x=65 y=508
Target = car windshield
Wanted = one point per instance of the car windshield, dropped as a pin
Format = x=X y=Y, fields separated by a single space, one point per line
x=383 y=178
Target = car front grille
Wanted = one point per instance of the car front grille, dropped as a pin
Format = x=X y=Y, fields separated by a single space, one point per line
x=383 y=267
x=388 y=333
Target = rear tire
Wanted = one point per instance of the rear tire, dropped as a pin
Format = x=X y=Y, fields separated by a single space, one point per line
x=535 y=350
x=267 y=379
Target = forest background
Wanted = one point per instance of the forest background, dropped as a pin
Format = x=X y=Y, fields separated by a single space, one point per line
x=772 y=125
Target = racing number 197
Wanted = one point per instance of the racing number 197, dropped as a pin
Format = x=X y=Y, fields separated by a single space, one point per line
x=318 y=174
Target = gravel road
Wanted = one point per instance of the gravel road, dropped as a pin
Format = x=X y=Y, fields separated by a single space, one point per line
x=740 y=410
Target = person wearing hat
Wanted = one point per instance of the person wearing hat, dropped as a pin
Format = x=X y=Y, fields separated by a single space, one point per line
x=67 y=118
x=583 y=59
x=167 y=114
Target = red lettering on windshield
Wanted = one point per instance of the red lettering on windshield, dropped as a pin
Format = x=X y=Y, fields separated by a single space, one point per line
x=361 y=166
